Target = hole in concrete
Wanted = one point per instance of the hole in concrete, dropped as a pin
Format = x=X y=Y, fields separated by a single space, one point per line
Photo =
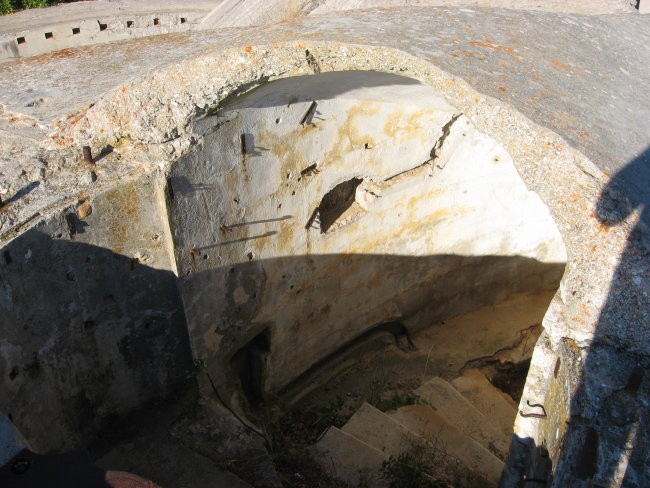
x=13 y=374
x=249 y=364
x=336 y=202
x=170 y=190
x=156 y=21
x=75 y=31
x=102 y=27
x=129 y=24
x=49 y=35
x=20 y=40
x=509 y=377
x=183 y=20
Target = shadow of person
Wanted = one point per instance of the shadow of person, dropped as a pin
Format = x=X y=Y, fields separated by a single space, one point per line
x=609 y=428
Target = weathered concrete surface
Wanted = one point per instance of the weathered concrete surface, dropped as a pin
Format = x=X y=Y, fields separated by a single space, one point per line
x=238 y=13
x=488 y=399
x=436 y=200
x=424 y=420
x=344 y=457
x=602 y=307
x=91 y=319
x=68 y=12
x=149 y=451
x=555 y=76
x=83 y=23
x=459 y=411
x=587 y=7
x=241 y=13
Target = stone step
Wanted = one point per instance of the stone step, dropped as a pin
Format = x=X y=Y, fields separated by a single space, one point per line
x=379 y=430
x=427 y=423
x=488 y=400
x=348 y=459
x=458 y=411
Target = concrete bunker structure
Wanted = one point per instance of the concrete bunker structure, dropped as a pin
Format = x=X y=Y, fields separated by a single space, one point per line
x=307 y=216
x=273 y=229
x=317 y=208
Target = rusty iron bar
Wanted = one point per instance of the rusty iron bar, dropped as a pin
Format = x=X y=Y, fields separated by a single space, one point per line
x=306 y=120
x=88 y=155
x=244 y=145
x=309 y=170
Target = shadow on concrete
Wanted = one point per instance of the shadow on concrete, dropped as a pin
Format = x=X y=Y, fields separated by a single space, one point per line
x=309 y=88
x=89 y=335
x=103 y=153
x=21 y=193
x=609 y=431
x=86 y=335
x=309 y=307
x=608 y=427
x=30 y=470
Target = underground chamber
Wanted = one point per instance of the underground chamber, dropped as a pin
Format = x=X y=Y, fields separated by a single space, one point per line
x=350 y=264
x=349 y=242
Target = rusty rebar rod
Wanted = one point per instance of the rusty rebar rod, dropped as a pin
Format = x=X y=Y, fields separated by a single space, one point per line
x=88 y=155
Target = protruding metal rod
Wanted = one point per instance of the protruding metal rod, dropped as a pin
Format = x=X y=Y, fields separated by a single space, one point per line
x=244 y=144
x=306 y=120
x=309 y=170
x=88 y=155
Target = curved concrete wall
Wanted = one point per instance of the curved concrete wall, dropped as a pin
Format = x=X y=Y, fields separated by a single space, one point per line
x=64 y=35
x=92 y=321
x=438 y=222
x=152 y=120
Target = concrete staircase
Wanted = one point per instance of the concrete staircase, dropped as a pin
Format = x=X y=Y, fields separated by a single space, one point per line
x=468 y=419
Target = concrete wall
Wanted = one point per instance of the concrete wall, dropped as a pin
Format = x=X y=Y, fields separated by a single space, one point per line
x=63 y=35
x=422 y=239
x=90 y=317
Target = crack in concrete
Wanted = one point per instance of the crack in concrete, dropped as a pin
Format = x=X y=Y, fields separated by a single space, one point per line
x=446 y=129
